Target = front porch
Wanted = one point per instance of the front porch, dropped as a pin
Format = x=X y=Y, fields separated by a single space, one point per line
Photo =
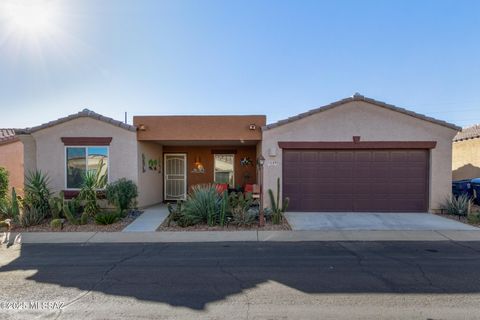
x=178 y=152
x=234 y=167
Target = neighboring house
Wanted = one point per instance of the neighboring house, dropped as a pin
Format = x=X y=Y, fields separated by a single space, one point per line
x=466 y=153
x=11 y=157
x=356 y=154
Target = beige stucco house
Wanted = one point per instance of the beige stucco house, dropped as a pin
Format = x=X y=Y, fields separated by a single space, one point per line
x=466 y=154
x=356 y=154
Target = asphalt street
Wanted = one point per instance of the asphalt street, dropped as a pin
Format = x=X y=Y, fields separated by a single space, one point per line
x=291 y=280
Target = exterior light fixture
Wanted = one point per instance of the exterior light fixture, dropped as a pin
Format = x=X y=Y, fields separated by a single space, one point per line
x=142 y=127
x=252 y=126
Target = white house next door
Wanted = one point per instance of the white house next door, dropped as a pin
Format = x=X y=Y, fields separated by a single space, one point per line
x=175 y=171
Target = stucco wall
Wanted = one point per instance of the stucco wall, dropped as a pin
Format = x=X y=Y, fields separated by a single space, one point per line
x=466 y=159
x=11 y=158
x=372 y=123
x=206 y=155
x=50 y=150
x=150 y=182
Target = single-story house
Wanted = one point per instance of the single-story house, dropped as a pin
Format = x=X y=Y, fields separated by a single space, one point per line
x=11 y=157
x=466 y=153
x=356 y=154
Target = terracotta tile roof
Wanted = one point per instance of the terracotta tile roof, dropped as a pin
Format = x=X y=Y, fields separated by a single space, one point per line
x=85 y=113
x=472 y=132
x=7 y=135
x=359 y=97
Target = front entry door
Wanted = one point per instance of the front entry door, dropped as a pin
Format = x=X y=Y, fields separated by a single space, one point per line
x=175 y=184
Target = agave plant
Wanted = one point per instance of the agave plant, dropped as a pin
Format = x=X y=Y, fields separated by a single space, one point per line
x=459 y=206
x=202 y=204
x=37 y=191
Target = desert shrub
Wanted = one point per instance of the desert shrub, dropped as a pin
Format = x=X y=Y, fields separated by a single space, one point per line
x=69 y=208
x=474 y=218
x=84 y=218
x=176 y=215
x=241 y=209
x=3 y=184
x=202 y=205
x=37 y=192
x=107 y=217
x=10 y=208
x=56 y=223
x=31 y=216
x=122 y=193
x=458 y=206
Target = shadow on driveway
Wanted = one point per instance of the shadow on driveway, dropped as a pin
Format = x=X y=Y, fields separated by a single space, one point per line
x=192 y=275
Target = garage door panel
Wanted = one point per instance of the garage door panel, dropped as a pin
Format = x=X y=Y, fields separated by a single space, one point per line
x=356 y=180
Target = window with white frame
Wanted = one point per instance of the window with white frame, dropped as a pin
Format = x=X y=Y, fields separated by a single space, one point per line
x=224 y=169
x=80 y=160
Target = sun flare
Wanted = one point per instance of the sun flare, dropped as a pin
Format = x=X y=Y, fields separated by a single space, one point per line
x=32 y=17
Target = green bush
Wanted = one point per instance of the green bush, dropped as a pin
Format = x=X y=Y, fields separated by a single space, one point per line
x=202 y=205
x=107 y=217
x=3 y=184
x=10 y=209
x=474 y=218
x=31 y=216
x=241 y=209
x=37 y=192
x=56 y=223
x=122 y=194
x=458 y=206
x=84 y=218
x=176 y=215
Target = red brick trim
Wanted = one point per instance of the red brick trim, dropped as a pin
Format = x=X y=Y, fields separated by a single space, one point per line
x=357 y=145
x=86 y=141
x=70 y=194
x=224 y=151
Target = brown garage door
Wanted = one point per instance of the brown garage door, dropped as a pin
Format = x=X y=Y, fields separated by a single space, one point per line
x=356 y=180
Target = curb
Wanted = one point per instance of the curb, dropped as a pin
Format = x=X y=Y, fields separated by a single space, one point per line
x=239 y=236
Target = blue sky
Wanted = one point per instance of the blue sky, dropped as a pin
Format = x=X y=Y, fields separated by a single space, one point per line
x=277 y=57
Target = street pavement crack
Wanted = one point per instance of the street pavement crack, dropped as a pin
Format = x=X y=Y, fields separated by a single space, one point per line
x=102 y=279
x=360 y=258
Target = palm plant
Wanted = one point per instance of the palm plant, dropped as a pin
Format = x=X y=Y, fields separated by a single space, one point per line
x=37 y=191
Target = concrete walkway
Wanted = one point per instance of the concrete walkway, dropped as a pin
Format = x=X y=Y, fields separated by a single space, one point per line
x=150 y=220
x=330 y=221
x=245 y=236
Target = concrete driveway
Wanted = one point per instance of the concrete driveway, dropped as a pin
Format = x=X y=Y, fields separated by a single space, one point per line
x=371 y=221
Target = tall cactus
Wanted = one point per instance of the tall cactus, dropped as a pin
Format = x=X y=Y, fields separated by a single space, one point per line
x=15 y=209
x=277 y=208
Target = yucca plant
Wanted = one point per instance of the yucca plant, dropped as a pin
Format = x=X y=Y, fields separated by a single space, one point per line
x=459 y=206
x=37 y=191
x=92 y=181
x=202 y=204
